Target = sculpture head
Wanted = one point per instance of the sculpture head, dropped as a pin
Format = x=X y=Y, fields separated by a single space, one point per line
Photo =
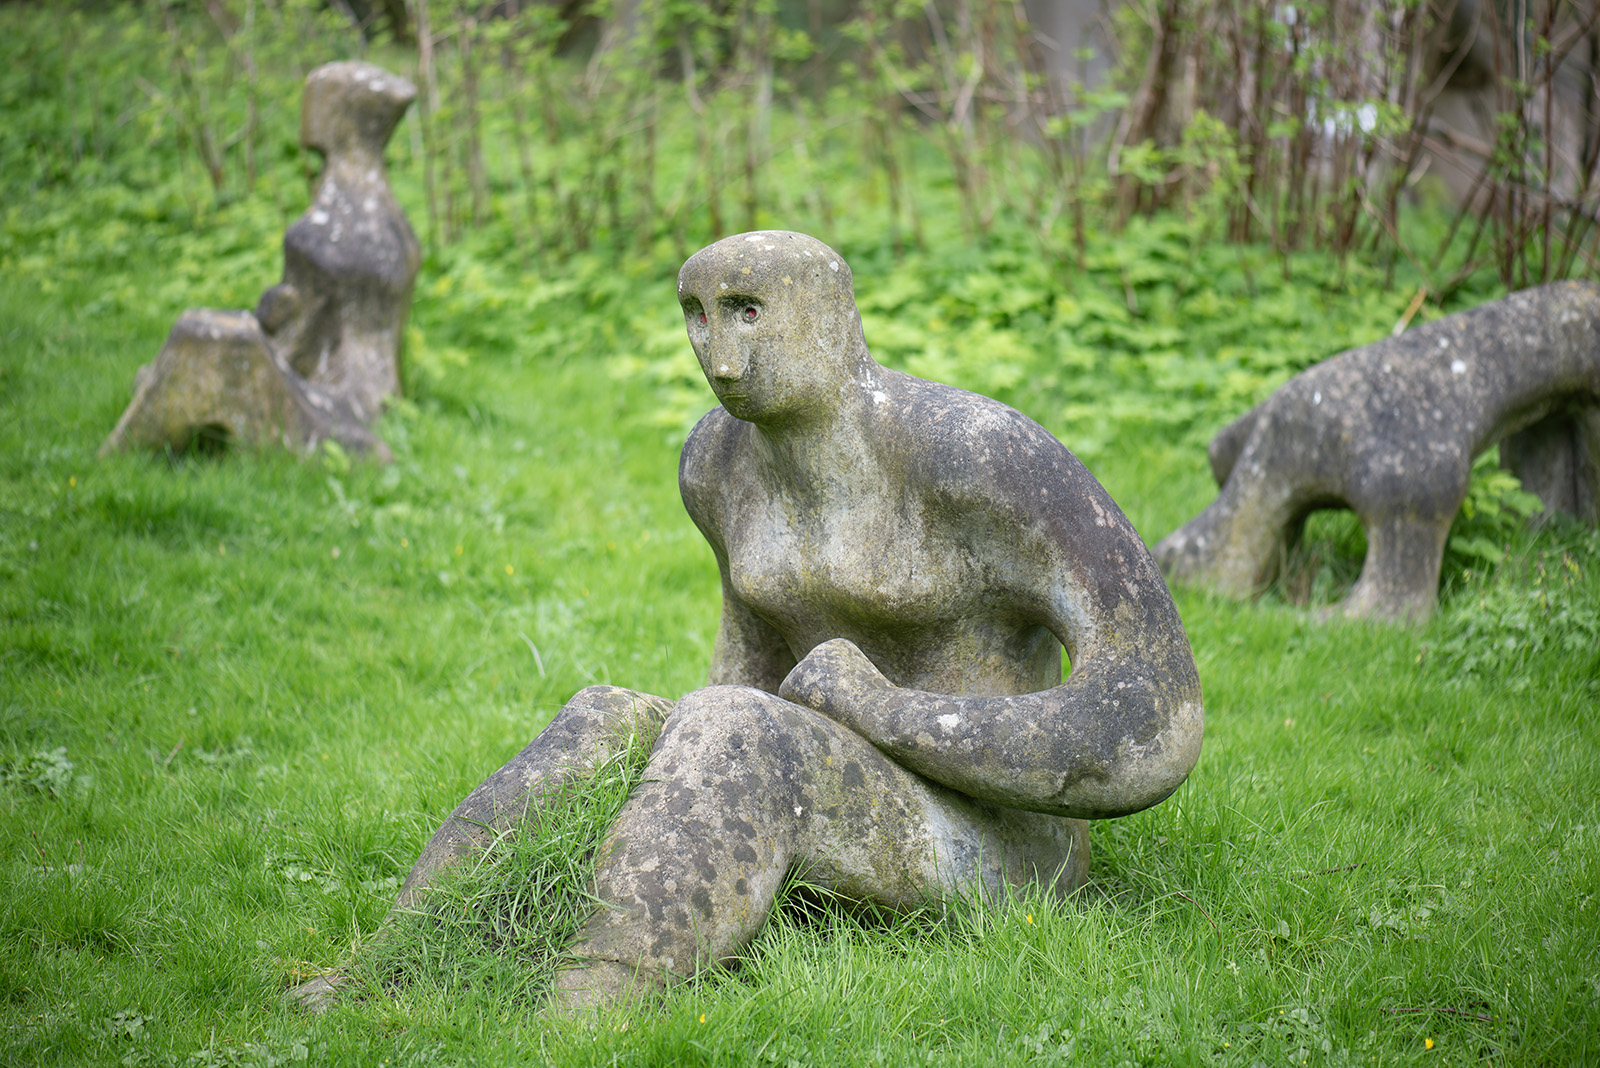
x=772 y=318
x=352 y=106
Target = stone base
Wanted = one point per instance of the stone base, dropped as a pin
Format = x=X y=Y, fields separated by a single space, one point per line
x=216 y=383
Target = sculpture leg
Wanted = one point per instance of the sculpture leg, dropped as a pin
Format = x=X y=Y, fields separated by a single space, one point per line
x=744 y=787
x=1558 y=458
x=1400 y=576
x=592 y=726
x=1239 y=541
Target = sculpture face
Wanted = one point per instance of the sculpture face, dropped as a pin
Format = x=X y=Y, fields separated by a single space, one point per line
x=352 y=106
x=772 y=319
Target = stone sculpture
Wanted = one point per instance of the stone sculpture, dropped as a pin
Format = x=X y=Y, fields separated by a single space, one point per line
x=902 y=563
x=322 y=349
x=1390 y=431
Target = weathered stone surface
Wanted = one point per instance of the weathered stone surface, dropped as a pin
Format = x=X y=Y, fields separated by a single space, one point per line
x=323 y=344
x=217 y=380
x=1390 y=431
x=350 y=261
x=902 y=563
x=1558 y=458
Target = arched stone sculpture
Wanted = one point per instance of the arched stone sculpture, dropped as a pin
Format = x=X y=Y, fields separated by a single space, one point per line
x=322 y=350
x=1390 y=431
x=902 y=563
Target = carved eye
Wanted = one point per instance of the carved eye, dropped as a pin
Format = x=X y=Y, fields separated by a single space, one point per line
x=750 y=313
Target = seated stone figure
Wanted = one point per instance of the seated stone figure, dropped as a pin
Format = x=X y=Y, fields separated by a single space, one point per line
x=902 y=563
x=322 y=350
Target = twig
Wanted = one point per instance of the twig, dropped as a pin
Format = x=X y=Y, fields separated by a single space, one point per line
x=1201 y=907
x=1411 y=311
x=1342 y=867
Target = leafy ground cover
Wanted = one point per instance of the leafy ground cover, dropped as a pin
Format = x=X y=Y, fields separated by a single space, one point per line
x=237 y=695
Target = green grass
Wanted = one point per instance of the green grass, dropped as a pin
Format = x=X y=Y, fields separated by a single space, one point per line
x=495 y=930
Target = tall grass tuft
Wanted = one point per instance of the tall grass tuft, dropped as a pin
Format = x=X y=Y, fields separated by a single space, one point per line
x=499 y=928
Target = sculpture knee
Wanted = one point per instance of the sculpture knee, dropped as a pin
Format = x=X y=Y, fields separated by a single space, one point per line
x=599 y=720
x=693 y=862
x=619 y=701
x=739 y=734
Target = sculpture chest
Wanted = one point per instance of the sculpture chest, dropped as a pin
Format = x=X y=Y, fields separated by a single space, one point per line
x=864 y=568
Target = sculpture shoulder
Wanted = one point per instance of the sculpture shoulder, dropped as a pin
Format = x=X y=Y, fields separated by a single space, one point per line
x=985 y=452
x=1041 y=517
x=705 y=463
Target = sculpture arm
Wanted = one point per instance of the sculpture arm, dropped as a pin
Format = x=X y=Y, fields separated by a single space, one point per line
x=278 y=307
x=1116 y=737
x=1124 y=729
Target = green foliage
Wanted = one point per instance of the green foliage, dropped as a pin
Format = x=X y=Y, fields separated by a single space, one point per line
x=1500 y=630
x=1496 y=508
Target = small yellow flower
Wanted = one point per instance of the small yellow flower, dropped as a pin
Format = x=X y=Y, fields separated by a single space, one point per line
x=1030 y=917
x=702 y=1017
x=1427 y=1043
x=405 y=543
x=73 y=481
x=458 y=550
x=510 y=570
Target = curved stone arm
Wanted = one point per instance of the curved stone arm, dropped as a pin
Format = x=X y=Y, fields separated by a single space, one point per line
x=1119 y=735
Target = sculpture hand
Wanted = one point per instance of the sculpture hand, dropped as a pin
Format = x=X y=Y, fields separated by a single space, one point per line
x=836 y=679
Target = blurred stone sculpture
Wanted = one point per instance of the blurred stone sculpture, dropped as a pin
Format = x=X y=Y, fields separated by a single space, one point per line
x=322 y=350
x=902 y=563
x=1390 y=431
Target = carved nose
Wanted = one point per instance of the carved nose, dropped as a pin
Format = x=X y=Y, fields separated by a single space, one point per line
x=728 y=364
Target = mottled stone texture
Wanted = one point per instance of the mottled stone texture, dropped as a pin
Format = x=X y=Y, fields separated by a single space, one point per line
x=1390 y=431
x=322 y=350
x=902 y=564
